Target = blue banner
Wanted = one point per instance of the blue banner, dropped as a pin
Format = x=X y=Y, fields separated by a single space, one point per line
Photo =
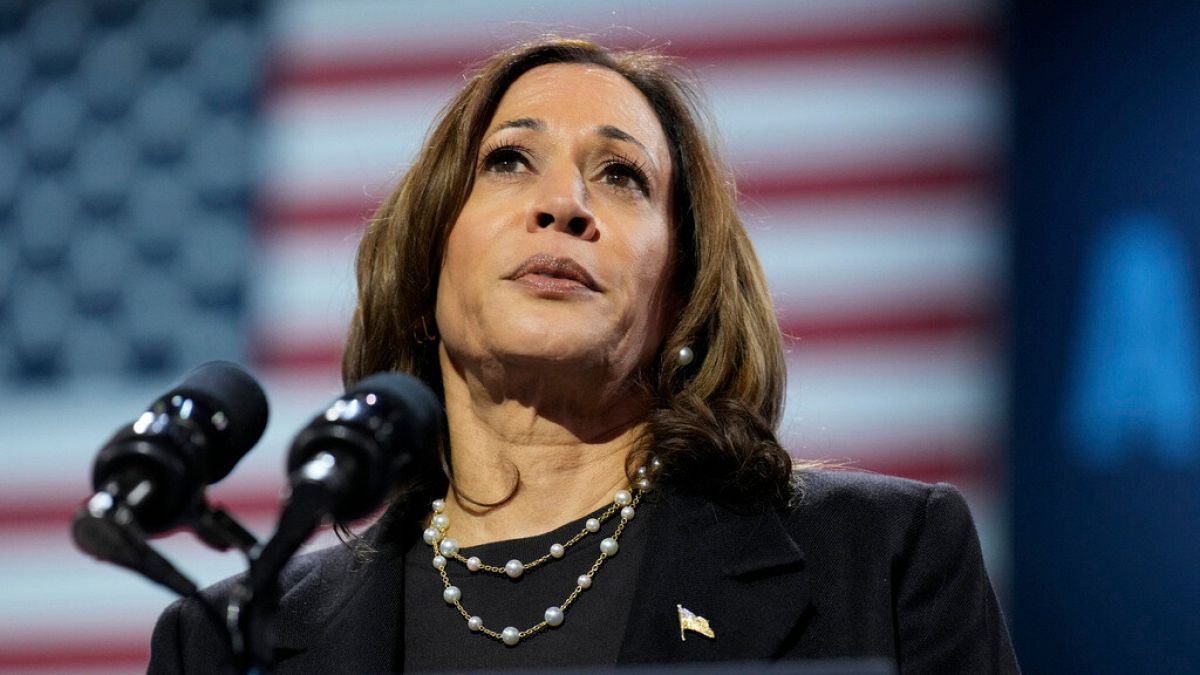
x=1105 y=208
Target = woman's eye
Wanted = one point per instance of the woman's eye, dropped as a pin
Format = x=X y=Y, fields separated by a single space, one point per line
x=504 y=160
x=625 y=177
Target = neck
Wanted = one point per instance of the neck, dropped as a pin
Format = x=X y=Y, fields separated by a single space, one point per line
x=533 y=466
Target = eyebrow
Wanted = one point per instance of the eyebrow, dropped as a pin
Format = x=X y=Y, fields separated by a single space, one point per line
x=522 y=123
x=604 y=130
x=609 y=131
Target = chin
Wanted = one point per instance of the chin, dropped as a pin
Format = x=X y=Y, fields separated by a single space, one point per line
x=565 y=351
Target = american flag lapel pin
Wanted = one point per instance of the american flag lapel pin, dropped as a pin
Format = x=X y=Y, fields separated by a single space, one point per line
x=693 y=622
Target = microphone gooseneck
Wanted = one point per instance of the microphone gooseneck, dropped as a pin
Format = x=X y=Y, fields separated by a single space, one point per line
x=340 y=466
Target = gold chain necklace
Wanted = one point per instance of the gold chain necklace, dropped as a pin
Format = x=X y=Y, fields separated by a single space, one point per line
x=624 y=504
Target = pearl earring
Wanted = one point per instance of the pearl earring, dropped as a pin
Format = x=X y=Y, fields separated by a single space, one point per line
x=685 y=356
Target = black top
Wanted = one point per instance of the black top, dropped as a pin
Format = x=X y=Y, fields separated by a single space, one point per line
x=858 y=565
x=436 y=637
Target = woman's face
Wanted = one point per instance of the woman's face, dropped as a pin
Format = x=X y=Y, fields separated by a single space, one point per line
x=561 y=253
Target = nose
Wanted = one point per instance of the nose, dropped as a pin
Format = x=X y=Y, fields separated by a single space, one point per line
x=561 y=204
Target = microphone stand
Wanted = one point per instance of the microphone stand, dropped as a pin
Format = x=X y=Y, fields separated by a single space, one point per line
x=106 y=529
x=250 y=614
x=219 y=530
x=340 y=466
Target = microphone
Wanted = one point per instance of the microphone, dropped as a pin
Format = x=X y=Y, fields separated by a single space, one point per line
x=150 y=476
x=347 y=458
x=189 y=438
x=342 y=465
x=357 y=447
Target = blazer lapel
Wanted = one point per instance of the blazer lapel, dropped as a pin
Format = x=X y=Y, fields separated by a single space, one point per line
x=355 y=626
x=743 y=573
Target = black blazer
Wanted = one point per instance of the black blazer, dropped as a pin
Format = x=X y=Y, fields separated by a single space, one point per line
x=859 y=565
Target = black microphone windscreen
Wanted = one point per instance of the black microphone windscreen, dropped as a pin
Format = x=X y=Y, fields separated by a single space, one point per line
x=421 y=404
x=226 y=388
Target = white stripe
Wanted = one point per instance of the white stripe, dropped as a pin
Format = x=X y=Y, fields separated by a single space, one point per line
x=845 y=260
x=933 y=393
x=891 y=257
x=51 y=457
x=62 y=592
x=855 y=112
x=777 y=116
x=304 y=290
x=319 y=30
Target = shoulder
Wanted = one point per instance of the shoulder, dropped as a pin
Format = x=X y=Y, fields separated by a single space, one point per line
x=907 y=550
x=867 y=511
x=871 y=496
x=846 y=487
x=190 y=630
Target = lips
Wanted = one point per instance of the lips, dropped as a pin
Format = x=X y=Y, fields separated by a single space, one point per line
x=554 y=270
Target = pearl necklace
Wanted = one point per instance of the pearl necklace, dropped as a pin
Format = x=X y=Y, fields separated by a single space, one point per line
x=446 y=549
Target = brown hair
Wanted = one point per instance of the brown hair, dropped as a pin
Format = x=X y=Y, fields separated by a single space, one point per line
x=713 y=422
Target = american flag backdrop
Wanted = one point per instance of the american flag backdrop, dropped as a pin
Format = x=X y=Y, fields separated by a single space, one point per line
x=867 y=137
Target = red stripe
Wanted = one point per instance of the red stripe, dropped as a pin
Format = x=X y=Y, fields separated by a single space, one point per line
x=967 y=469
x=57 y=515
x=290 y=71
x=349 y=212
x=932 y=323
x=927 y=177
x=296 y=356
x=116 y=654
x=346 y=213
x=937 y=37
x=928 y=463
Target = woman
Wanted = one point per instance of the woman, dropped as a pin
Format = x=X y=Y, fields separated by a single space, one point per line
x=564 y=265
